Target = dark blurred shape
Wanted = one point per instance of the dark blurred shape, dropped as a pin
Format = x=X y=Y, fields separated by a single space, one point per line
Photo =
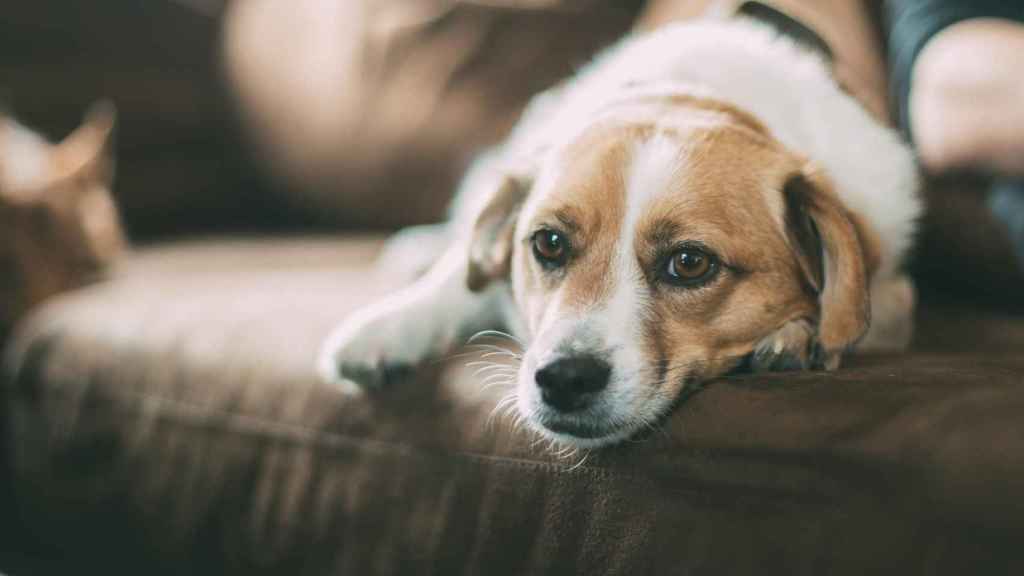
x=964 y=252
x=180 y=166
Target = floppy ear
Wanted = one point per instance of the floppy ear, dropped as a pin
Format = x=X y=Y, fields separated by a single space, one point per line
x=491 y=243
x=830 y=252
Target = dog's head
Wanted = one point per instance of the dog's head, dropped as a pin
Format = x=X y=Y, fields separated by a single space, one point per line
x=666 y=244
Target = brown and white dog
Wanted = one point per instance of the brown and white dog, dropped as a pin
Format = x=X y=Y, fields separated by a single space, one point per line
x=700 y=197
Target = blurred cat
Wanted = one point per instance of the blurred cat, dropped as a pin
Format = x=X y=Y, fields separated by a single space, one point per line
x=59 y=227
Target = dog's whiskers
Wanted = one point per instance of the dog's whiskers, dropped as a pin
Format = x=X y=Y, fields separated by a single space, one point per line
x=508 y=353
x=518 y=422
x=507 y=401
x=492 y=348
x=501 y=381
x=499 y=371
x=578 y=465
x=566 y=451
x=480 y=351
x=490 y=367
x=487 y=363
x=496 y=334
x=496 y=373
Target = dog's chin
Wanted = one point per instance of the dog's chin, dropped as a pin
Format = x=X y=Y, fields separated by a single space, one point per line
x=599 y=425
x=571 y=432
x=571 y=439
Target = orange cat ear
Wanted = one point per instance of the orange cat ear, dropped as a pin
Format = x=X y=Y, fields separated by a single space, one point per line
x=85 y=152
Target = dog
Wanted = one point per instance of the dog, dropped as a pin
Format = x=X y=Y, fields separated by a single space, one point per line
x=700 y=198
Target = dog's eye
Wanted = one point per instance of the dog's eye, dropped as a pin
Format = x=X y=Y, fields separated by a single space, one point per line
x=690 y=266
x=550 y=247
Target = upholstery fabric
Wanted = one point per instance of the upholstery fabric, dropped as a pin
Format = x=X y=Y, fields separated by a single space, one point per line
x=169 y=421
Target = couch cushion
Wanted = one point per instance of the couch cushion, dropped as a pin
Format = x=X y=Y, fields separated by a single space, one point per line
x=169 y=421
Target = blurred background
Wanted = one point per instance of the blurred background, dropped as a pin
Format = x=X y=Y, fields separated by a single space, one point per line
x=257 y=114
x=314 y=115
x=180 y=166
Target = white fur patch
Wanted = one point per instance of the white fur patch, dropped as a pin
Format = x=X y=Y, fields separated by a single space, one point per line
x=655 y=163
x=25 y=160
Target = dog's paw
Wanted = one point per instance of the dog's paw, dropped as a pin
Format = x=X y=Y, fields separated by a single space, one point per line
x=788 y=348
x=374 y=349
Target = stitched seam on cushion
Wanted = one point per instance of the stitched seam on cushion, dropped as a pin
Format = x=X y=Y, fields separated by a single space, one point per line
x=187 y=414
x=197 y=415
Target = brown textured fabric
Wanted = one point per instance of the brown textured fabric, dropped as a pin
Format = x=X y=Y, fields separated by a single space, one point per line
x=169 y=422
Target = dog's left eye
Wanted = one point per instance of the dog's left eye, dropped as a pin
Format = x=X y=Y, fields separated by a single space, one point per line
x=690 y=266
x=550 y=248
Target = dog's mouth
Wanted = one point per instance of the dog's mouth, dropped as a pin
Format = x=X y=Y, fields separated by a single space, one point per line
x=583 y=433
x=580 y=430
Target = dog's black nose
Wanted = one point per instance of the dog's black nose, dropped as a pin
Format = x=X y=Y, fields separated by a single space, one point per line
x=569 y=384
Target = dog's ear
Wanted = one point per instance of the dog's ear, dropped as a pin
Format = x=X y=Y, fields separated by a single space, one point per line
x=834 y=260
x=490 y=248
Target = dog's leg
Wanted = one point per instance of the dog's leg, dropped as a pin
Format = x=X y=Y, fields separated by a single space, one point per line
x=411 y=252
x=383 y=341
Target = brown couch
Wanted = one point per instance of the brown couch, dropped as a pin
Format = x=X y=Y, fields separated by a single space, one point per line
x=168 y=421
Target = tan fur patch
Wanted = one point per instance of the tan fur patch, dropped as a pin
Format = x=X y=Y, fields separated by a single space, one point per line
x=870 y=243
x=589 y=204
x=720 y=202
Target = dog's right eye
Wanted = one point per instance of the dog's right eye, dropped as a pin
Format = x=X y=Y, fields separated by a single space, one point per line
x=550 y=248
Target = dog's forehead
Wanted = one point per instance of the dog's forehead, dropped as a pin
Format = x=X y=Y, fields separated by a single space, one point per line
x=704 y=170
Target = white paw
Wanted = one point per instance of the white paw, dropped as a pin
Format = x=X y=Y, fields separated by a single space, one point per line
x=788 y=348
x=376 y=347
